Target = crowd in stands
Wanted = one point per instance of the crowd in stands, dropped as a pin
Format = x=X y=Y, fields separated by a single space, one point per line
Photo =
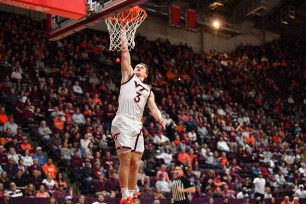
x=236 y=121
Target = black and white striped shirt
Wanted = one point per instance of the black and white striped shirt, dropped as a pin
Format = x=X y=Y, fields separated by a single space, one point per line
x=14 y=194
x=178 y=197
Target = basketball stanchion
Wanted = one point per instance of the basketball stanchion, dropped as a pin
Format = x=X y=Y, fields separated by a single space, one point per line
x=125 y=22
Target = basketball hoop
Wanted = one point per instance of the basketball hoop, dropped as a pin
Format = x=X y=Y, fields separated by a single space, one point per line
x=125 y=22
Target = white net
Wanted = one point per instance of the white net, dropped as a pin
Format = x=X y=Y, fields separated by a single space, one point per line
x=125 y=23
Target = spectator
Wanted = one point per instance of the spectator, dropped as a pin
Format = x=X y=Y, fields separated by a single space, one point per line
x=78 y=117
x=142 y=178
x=39 y=156
x=3 y=156
x=35 y=179
x=184 y=158
x=166 y=156
x=65 y=152
x=260 y=185
x=295 y=200
x=11 y=125
x=156 y=202
x=162 y=171
x=60 y=180
x=25 y=145
x=36 y=167
x=147 y=192
x=1 y=190
x=20 y=180
x=3 y=117
x=112 y=184
x=243 y=194
x=55 y=143
x=160 y=139
x=192 y=135
x=162 y=185
x=70 y=191
x=5 y=179
x=108 y=116
x=158 y=194
x=268 y=194
x=85 y=142
x=11 y=169
x=100 y=185
x=217 y=183
x=30 y=191
x=100 y=199
x=300 y=193
x=58 y=123
x=286 y=200
x=6 y=198
x=217 y=193
x=44 y=131
x=50 y=168
x=150 y=167
x=59 y=192
x=12 y=154
x=76 y=162
x=13 y=191
x=49 y=183
x=203 y=132
x=87 y=175
x=81 y=199
x=222 y=145
x=27 y=159
x=68 y=200
x=280 y=179
x=52 y=200
x=77 y=88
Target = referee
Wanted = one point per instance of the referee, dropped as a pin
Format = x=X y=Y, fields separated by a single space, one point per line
x=180 y=187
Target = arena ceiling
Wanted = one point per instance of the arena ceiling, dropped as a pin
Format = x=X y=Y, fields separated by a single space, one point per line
x=279 y=16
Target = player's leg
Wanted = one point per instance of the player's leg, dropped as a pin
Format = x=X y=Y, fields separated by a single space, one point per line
x=137 y=145
x=133 y=174
x=122 y=143
x=124 y=171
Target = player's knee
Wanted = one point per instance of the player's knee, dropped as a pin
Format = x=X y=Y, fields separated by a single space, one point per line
x=135 y=163
x=125 y=159
x=125 y=162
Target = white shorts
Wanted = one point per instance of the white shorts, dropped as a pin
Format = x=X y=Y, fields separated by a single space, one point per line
x=127 y=133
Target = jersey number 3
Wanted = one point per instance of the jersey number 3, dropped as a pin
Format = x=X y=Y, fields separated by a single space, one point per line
x=137 y=98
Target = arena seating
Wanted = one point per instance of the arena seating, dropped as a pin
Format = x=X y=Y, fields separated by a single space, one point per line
x=231 y=115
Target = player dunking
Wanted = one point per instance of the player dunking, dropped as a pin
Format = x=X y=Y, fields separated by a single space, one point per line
x=127 y=125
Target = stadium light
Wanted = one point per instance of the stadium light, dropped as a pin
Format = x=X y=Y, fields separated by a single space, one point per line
x=216 y=24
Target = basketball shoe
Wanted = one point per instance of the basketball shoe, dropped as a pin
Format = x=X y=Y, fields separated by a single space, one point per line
x=129 y=200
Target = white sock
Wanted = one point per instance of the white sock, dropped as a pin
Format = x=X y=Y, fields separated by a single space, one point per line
x=131 y=193
x=125 y=193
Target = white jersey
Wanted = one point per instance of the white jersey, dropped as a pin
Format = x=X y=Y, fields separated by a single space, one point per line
x=133 y=97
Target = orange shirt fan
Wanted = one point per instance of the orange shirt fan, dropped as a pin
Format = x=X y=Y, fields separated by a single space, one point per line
x=128 y=21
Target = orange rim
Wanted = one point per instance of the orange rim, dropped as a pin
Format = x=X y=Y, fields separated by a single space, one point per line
x=136 y=8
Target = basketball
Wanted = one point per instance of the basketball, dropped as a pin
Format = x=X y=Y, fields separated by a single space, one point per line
x=130 y=14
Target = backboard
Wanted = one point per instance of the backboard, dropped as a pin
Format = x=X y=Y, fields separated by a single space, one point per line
x=68 y=8
x=97 y=11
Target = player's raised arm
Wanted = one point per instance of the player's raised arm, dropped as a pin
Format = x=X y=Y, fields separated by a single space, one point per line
x=155 y=111
x=126 y=68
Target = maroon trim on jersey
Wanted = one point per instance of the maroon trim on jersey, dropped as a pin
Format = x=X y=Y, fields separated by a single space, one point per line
x=124 y=147
x=136 y=141
x=128 y=80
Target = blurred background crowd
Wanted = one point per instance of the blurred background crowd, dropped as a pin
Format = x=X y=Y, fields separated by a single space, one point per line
x=232 y=118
